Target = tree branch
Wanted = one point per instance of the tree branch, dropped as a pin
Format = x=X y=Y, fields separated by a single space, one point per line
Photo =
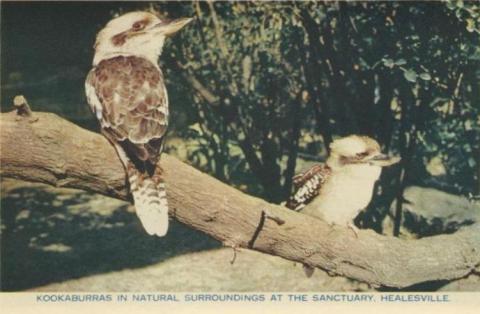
x=52 y=150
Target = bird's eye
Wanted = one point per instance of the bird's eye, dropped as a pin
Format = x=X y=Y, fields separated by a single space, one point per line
x=137 y=26
x=362 y=154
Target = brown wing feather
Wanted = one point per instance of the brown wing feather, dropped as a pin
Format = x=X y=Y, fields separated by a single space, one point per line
x=301 y=178
x=134 y=105
x=307 y=186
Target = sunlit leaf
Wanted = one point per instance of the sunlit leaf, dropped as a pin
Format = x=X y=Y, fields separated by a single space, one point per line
x=425 y=76
x=410 y=76
x=470 y=25
x=389 y=63
x=471 y=162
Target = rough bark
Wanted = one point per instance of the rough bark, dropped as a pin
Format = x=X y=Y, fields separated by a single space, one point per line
x=46 y=148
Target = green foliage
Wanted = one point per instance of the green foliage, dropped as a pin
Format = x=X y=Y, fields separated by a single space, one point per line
x=280 y=73
x=257 y=88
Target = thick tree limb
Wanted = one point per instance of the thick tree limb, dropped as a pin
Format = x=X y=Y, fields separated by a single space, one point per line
x=46 y=148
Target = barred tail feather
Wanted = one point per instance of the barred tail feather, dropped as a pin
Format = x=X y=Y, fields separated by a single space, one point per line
x=150 y=201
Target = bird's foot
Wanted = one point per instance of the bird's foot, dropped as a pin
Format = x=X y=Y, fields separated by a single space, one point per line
x=351 y=226
x=308 y=270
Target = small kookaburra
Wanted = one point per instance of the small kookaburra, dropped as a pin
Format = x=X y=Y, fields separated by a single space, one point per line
x=339 y=189
x=126 y=92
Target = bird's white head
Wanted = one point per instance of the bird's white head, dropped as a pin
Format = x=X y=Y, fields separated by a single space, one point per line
x=136 y=33
x=358 y=151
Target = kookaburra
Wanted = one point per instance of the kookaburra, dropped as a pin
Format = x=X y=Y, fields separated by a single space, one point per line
x=126 y=92
x=339 y=189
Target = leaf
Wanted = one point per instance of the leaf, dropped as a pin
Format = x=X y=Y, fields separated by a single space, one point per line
x=471 y=162
x=410 y=76
x=388 y=63
x=425 y=76
x=451 y=5
x=458 y=14
x=400 y=62
x=470 y=25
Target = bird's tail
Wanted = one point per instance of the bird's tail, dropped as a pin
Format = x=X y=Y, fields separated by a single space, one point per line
x=150 y=200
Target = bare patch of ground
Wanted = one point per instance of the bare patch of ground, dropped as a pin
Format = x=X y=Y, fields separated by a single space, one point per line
x=211 y=271
x=52 y=235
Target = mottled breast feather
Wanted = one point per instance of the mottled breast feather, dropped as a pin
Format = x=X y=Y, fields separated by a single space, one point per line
x=131 y=104
x=307 y=186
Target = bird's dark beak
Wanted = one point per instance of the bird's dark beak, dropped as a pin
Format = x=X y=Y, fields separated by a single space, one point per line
x=383 y=160
x=170 y=27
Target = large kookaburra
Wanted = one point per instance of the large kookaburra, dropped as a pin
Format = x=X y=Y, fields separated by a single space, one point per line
x=126 y=92
x=339 y=189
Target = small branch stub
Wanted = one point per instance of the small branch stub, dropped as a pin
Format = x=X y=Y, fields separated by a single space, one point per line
x=275 y=218
x=21 y=105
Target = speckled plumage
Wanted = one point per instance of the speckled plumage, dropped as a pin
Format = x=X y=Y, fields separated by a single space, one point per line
x=307 y=186
x=338 y=190
x=126 y=92
x=131 y=105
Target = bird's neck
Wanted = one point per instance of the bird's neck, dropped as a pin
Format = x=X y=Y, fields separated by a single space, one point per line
x=99 y=57
x=148 y=52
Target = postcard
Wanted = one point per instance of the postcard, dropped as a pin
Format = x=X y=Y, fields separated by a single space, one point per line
x=260 y=156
